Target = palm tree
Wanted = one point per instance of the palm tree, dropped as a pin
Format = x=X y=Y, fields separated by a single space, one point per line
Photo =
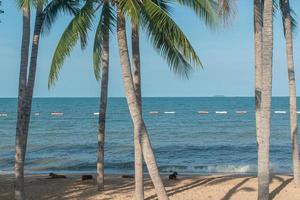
x=21 y=135
x=288 y=23
x=77 y=30
x=43 y=20
x=134 y=108
x=207 y=12
x=264 y=98
x=258 y=31
x=171 y=49
x=138 y=156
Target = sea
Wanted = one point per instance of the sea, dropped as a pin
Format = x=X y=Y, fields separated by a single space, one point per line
x=219 y=140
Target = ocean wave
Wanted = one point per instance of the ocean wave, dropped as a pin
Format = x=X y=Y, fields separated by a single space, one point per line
x=210 y=169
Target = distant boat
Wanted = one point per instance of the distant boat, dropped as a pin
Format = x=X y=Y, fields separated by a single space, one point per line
x=280 y=112
x=153 y=112
x=57 y=113
x=221 y=112
x=203 y=112
x=241 y=112
x=170 y=112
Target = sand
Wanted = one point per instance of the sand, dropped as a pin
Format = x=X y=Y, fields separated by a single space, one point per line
x=218 y=187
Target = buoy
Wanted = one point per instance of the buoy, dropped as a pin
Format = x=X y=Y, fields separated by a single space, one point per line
x=241 y=112
x=280 y=112
x=221 y=112
x=203 y=112
x=169 y=112
x=96 y=113
x=37 y=114
x=153 y=112
x=57 y=113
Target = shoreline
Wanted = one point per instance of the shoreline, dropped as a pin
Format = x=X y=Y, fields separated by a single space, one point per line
x=187 y=187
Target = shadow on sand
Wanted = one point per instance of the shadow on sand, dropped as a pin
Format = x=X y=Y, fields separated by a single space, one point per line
x=74 y=188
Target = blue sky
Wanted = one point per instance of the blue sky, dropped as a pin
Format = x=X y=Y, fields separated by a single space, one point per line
x=227 y=56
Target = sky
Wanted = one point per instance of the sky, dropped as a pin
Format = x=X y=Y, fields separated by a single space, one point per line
x=227 y=56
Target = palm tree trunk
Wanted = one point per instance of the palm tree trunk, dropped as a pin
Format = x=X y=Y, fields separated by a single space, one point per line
x=258 y=28
x=292 y=87
x=33 y=63
x=138 y=155
x=258 y=61
x=264 y=139
x=102 y=112
x=20 y=131
x=134 y=110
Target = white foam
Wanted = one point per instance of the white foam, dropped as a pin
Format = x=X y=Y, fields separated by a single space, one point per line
x=96 y=113
x=279 y=112
x=203 y=112
x=153 y=112
x=3 y=114
x=37 y=114
x=170 y=112
x=57 y=113
x=242 y=112
x=221 y=112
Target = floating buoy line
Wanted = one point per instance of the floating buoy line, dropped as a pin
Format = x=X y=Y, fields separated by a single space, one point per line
x=155 y=112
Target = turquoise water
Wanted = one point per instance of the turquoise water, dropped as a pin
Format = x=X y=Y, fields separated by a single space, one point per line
x=184 y=141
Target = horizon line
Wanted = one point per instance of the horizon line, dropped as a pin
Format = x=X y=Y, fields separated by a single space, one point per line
x=214 y=96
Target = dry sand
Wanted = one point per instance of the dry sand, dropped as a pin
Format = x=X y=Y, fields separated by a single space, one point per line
x=219 y=187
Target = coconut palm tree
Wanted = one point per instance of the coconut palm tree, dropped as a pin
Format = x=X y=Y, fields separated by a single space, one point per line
x=77 y=29
x=45 y=16
x=288 y=24
x=258 y=31
x=263 y=97
x=207 y=12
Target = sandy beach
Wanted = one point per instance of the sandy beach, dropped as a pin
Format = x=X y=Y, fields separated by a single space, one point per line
x=218 y=187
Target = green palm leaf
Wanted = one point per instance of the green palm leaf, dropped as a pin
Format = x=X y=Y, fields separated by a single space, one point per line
x=56 y=7
x=106 y=22
x=168 y=39
x=207 y=10
x=76 y=30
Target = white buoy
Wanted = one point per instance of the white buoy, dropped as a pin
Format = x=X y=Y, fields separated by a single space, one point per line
x=241 y=112
x=57 y=113
x=96 y=113
x=37 y=114
x=280 y=112
x=153 y=112
x=221 y=112
x=203 y=112
x=170 y=112
x=3 y=114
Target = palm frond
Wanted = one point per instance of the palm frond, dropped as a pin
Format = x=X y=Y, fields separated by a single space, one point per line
x=168 y=38
x=227 y=10
x=106 y=22
x=76 y=30
x=288 y=12
x=130 y=8
x=23 y=3
x=207 y=10
x=56 y=7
